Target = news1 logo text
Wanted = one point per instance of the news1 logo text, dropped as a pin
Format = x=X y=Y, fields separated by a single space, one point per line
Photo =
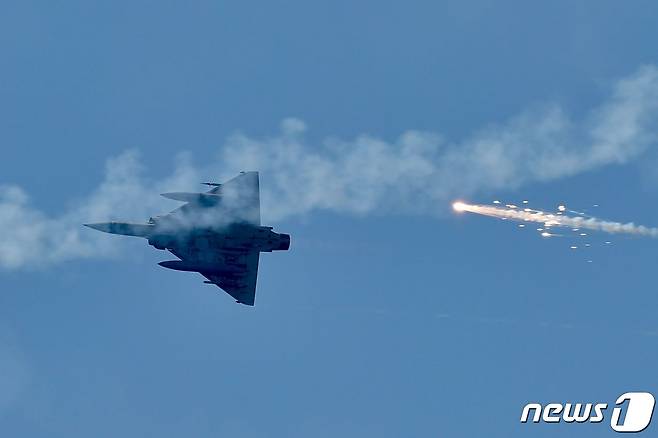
x=632 y=412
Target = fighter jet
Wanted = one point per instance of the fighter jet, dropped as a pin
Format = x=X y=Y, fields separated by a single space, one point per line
x=216 y=233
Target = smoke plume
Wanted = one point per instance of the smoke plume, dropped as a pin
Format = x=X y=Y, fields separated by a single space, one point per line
x=412 y=174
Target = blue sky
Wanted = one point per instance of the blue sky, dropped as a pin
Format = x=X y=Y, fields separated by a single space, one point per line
x=399 y=319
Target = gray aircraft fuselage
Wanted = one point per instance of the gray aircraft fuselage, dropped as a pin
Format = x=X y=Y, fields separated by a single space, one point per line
x=217 y=234
x=235 y=236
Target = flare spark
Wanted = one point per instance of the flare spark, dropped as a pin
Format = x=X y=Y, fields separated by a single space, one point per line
x=549 y=220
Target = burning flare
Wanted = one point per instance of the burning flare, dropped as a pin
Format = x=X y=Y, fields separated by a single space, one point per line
x=549 y=220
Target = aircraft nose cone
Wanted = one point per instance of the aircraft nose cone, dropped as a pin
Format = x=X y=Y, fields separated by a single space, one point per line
x=100 y=226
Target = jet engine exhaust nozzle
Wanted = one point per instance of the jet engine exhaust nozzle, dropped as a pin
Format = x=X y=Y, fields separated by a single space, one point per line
x=284 y=243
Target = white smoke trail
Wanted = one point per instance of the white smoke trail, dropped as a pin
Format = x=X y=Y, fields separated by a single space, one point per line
x=553 y=220
x=412 y=174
